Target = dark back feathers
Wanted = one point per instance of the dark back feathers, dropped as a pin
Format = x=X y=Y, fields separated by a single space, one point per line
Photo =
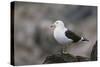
x=72 y=35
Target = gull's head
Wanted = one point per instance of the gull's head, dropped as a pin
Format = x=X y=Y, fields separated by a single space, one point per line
x=58 y=23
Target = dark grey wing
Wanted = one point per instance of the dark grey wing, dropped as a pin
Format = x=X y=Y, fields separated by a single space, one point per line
x=72 y=35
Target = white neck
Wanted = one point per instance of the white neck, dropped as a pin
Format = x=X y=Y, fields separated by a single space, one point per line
x=61 y=28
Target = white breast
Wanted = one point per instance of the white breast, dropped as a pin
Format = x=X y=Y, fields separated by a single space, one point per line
x=59 y=35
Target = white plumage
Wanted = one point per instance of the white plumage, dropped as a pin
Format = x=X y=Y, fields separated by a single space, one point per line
x=59 y=33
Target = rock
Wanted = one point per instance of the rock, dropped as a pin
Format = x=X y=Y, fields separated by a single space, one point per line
x=63 y=58
x=94 y=53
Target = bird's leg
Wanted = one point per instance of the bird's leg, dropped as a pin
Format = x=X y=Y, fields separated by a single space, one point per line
x=64 y=51
x=61 y=50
